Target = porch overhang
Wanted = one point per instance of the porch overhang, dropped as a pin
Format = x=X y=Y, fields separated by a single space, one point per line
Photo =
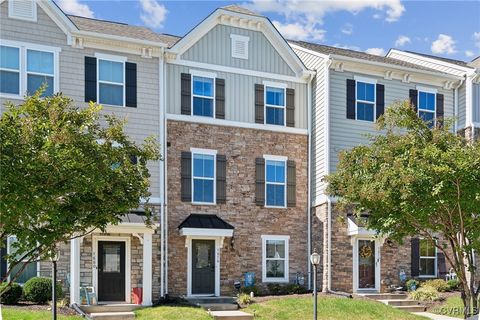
x=356 y=229
x=205 y=225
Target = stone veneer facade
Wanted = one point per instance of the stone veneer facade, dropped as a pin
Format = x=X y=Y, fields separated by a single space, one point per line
x=244 y=254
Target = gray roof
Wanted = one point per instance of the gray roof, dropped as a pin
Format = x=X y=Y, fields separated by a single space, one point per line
x=134 y=218
x=239 y=9
x=358 y=55
x=121 y=29
x=453 y=61
x=475 y=63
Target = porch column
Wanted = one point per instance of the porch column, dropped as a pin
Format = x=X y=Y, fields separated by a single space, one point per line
x=147 y=269
x=75 y=271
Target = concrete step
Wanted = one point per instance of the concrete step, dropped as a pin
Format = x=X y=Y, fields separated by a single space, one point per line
x=385 y=296
x=417 y=308
x=100 y=308
x=208 y=300
x=231 y=315
x=219 y=306
x=113 y=316
x=400 y=302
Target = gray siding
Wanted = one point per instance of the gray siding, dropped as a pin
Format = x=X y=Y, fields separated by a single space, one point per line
x=142 y=121
x=215 y=48
x=239 y=95
x=345 y=133
x=462 y=106
x=476 y=102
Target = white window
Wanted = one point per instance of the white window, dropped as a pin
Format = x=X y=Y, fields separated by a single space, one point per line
x=275 y=102
x=365 y=100
x=203 y=93
x=31 y=268
x=25 y=67
x=275 y=258
x=427 y=106
x=428 y=258
x=239 y=46
x=111 y=80
x=275 y=181
x=22 y=9
x=203 y=176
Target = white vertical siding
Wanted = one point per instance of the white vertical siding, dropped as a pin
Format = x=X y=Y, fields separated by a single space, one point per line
x=462 y=106
x=476 y=103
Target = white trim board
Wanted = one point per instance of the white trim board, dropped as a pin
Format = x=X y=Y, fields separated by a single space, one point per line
x=264 y=261
x=378 y=263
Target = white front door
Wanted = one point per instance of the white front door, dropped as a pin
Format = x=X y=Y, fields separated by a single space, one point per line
x=366 y=265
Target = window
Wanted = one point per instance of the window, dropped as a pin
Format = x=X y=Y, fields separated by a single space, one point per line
x=365 y=101
x=275 y=258
x=40 y=71
x=202 y=97
x=31 y=268
x=275 y=182
x=111 y=82
x=274 y=105
x=426 y=107
x=428 y=258
x=9 y=70
x=239 y=46
x=203 y=178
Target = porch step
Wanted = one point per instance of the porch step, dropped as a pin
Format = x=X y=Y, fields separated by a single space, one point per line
x=231 y=315
x=101 y=308
x=113 y=316
x=208 y=300
x=384 y=296
x=400 y=302
x=219 y=306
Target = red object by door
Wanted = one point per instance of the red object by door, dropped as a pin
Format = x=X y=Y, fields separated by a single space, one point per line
x=137 y=295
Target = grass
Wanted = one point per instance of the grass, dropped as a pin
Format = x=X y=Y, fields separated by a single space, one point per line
x=452 y=307
x=16 y=314
x=171 y=313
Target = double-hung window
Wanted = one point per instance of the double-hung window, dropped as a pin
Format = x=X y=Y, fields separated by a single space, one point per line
x=111 y=82
x=426 y=107
x=30 y=268
x=203 y=178
x=40 y=71
x=275 y=258
x=203 y=96
x=428 y=258
x=274 y=105
x=365 y=103
x=10 y=70
x=275 y=181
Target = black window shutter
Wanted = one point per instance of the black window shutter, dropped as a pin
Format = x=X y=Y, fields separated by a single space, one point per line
x=260 y=181
x=186 y=180
x=133 y=159
x=415 y=257
x=441 y=265
x=440 y=111
x=131 y=84
x=90 y=79
x=380 y=100
x=290 y=106
x=291 y=184
x=221 y=189
x=3 y=260
x=259 y=103
x=186 y=91
x=351 y=99
x=220 y=98
x=414 y=99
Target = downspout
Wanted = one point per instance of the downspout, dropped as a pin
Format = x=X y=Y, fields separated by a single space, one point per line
x=309 y=175
x=327 y=172
x=469 y=102
x=456 y=104
x=165 y=179
x=162 y=139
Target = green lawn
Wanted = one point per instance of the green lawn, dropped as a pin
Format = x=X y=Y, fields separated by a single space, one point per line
x=171 y=313
x=16 y=314
x=452 y=307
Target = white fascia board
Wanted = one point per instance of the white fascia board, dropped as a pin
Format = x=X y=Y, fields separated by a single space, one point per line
x=206 y=232
x=103 y=36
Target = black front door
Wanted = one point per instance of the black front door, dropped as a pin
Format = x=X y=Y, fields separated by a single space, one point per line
x=203 y=267
x=111 y=271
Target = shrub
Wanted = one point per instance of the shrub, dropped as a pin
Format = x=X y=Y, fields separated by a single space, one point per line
x=425 y=294
x=439 y=284
x=244 y=298
x=412 y=285
x=10 y=295
x=256 y=291
x=295 y=289
x=453 y=285
x=39 y=290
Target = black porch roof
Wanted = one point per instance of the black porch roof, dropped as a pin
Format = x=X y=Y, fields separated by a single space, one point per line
x=205 y=221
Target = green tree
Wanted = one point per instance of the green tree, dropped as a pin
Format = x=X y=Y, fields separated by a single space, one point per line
x=64 y=172
x=417 y=181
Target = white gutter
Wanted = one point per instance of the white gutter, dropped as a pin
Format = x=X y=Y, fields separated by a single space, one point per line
x=161 y=68
x=309 y=175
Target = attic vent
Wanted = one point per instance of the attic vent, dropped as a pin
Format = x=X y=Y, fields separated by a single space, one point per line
x=239 y=46
x=22 y=9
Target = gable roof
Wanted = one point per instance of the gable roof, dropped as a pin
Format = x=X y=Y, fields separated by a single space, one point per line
x=454 y=61
x=239 y=9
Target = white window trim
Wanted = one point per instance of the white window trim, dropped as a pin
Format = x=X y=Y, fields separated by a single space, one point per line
x=426 y=89
x=11 y=14
x=285 y=279
x=275 y=85
x=203 y=74
x=111 y=58
x=367 y=81
x=429 y=258
x=237 y=37
x=23 y=47
x=434 y=111
x=282 y=159
x=8 y=252
x=211 y=153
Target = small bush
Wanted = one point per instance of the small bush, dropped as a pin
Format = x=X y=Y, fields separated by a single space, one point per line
x=10 y=294
x=39 y=290
x=453 y=285
x=412 y=285
x=439 y=284
x=244 y=299
x=256 y=291
x=276 y=289
x=425 y=294
x=295 y=289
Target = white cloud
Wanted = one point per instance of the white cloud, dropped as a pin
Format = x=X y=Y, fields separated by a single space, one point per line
x=153 y=14
x=347 y=29
x=469 y=53
x=346 y=46
x=443 y=45
x=75 y=7
x=377 y=16
x=298 y=31
x=402 y=40
x=376 y=51
x=476 y=39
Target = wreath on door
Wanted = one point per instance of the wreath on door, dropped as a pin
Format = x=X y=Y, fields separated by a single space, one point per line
x=366 y=252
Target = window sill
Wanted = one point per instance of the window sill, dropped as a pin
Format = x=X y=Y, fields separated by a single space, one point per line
x=11 y=96
x=275 y=280
x=428 y=277
x=204 y=203
x=275 y=207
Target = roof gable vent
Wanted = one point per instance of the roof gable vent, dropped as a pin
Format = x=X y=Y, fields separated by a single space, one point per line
x=239 y=46
x=22 y=9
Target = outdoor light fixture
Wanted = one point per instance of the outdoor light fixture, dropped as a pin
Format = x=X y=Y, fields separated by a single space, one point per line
x=315 y=260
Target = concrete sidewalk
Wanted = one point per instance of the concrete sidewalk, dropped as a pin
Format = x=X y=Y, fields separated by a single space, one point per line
x=434 y=316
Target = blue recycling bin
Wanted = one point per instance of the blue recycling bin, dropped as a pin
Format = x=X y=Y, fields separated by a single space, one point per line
x=249 y=279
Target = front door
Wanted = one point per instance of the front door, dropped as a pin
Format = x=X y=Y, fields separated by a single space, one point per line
x=111 y=271
x=203 y=267
x=366 y=264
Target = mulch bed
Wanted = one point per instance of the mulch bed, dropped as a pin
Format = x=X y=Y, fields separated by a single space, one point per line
x=437 y=304
x=25 y=306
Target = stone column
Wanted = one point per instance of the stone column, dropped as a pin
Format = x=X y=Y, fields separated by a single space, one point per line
x=147 y=269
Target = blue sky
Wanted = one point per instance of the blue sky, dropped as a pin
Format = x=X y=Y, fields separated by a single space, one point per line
x=445 y=28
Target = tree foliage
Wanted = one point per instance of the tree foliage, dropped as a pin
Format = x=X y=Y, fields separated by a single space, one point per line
x=417 y=181
x=65 y=171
